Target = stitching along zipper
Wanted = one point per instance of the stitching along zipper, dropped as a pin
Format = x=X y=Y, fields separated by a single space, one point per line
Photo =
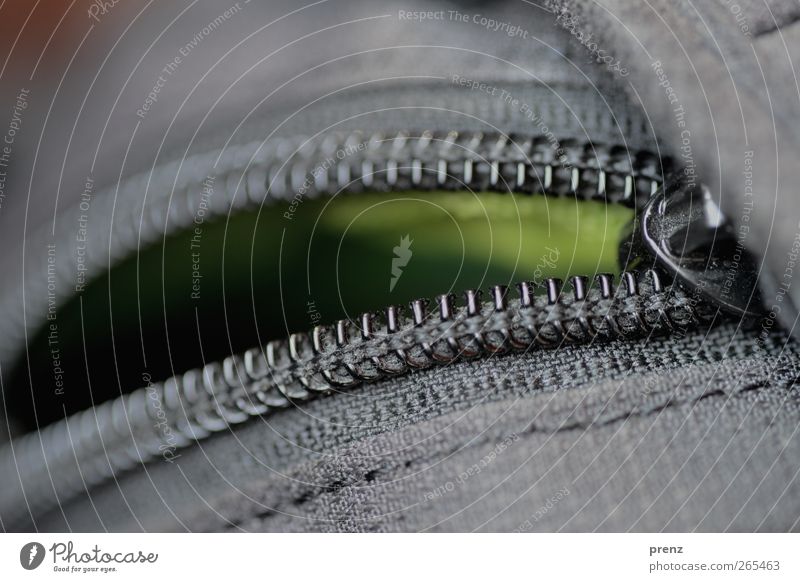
x=97 y=444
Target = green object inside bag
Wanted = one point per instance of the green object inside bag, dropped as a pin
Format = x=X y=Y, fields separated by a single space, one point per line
x=464 y=240
x=224 y=286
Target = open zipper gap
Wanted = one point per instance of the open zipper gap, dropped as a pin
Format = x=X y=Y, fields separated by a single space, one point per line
x=138 y=427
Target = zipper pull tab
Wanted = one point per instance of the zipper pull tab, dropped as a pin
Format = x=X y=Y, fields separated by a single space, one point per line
x=682 y=232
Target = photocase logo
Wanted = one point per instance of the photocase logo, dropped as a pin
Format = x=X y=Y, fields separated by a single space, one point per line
x=31 y=555
x=402 y=255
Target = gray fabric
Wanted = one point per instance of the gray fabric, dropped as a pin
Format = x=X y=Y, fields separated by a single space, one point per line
x=355 y=45
x=694 y=432
x=732 y=68
x=698 y=432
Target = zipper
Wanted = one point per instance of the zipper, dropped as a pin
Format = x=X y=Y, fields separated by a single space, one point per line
x=683 y=230
x=138 y=427
x=95 y=445
x=149 y=206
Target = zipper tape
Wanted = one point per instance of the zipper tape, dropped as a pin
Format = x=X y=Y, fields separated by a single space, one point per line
x=95 y=445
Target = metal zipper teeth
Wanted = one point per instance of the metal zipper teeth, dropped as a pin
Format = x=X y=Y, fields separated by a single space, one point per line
x=137 y=427
x=257 y=174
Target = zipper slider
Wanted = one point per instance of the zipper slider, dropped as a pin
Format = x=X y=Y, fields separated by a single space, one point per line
x=682 y=232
